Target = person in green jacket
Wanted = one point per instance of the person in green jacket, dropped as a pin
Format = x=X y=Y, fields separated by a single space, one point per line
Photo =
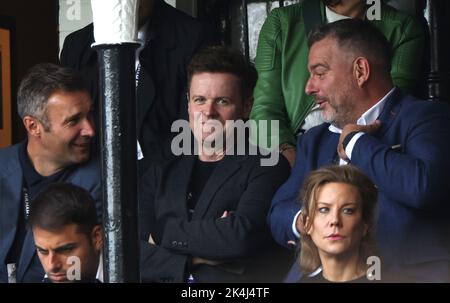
x=282 y=57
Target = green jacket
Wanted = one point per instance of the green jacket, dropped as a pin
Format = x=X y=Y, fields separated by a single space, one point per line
x=282 y=58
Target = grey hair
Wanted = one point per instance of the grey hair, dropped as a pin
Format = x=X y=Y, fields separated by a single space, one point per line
x=41 y=81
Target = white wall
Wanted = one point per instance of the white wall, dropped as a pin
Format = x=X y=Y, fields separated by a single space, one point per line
x=75 y=14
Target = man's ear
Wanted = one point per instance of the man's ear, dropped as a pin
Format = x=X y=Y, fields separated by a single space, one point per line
x=248 y=104
x=97 y=237
x=33 y=126
x=361 y=70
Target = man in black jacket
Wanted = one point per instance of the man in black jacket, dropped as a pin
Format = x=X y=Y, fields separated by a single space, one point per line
x=202 y=216
x=170 y=38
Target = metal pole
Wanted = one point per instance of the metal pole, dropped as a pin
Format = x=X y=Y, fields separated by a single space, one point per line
x=438 y=75
x=118 y=156
x=245 y=42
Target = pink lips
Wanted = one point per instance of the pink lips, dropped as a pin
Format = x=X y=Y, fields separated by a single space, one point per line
x=335 y=237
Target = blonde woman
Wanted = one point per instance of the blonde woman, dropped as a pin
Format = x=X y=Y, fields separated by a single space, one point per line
x=337 y=225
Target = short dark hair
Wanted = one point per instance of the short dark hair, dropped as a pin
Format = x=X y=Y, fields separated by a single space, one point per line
x=62 y=204
x=41 y=81
x=222 y=59
x=357 y=36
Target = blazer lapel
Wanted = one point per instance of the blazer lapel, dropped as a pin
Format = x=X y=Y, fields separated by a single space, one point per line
x=145 y=94
x=390 y=111
x=226 y=168
x=28 y=251
x=161 y=40
x=10 y=206
x=180 y=180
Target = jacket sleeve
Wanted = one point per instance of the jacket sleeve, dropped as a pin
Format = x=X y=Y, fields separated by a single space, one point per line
x=285 y=204
x=161 y=265
x=407 y=53
x=236 y=235
x=416 y=174
x=269 y=100
x=157 y=264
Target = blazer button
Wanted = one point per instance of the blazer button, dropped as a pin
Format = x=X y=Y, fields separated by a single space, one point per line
x=174 y=243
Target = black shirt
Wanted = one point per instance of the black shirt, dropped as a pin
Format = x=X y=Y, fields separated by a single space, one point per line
x=200 y=175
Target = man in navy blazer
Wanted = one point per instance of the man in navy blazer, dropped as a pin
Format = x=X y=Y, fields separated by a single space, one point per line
x=56 y=111
x=400 y=142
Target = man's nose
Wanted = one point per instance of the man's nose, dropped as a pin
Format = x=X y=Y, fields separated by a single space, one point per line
x=310 y=88
x=88 y=129
x=54 y=263
x=209 y=109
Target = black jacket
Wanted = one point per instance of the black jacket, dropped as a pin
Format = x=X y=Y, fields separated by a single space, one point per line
x=242 y=240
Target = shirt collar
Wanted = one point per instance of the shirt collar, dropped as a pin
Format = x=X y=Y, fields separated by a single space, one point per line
x=369 y=116
x=332 y=16
x=99 y=275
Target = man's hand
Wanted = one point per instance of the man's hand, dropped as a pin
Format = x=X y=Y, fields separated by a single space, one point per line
x=289 y=154
x=350 y=128
x=198 y=260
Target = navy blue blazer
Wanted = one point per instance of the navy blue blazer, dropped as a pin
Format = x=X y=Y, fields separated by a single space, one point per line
x=408 y=159
x=11 y=179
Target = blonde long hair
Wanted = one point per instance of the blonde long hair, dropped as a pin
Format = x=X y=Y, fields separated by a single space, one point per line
x=309 y=255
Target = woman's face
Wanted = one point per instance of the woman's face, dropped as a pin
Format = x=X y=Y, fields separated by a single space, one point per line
x=337 y=227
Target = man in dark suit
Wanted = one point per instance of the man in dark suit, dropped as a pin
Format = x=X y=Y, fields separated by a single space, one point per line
x=401 y=143
x=202 y=215
x=56 y=110
x=170 y=40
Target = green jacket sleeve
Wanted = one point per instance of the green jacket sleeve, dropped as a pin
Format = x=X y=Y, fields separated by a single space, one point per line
x=408 y=51
x=269 y=100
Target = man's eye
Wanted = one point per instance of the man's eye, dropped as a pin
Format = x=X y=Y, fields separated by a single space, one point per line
x=41 y=251
x=73 y=121
x=319 y=76
x=199 y=100
x=323 y=210
x=223 y=101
